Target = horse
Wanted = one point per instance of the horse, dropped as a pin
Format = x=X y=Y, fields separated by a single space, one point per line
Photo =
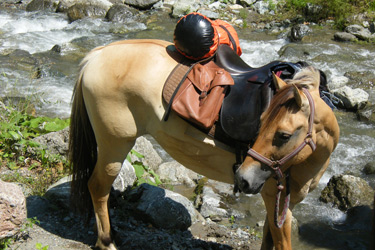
x=118 y=97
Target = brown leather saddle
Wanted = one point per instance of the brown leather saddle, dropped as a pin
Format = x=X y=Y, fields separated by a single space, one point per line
x=244 y=102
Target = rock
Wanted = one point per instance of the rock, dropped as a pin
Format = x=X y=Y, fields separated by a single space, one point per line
x=55 y=142
x=48 y=5
x=338 y=82
x=163 y=208
x=211 y=204
x=247 y=2
x=121 y=13
x=174 y=173
x=261 y=7
x=92 y=8
x=298 y=32
x=141 y=4
x=347 y=191
x=146 y=146
x=372 y=27
x=369 y=168
x=367 y=114
x=126 y=177
x=353 y=99
x=359 y=31
x=209 y=13
x=183 y=7
x=344 y=37
x=12 y=209
x=59 y=192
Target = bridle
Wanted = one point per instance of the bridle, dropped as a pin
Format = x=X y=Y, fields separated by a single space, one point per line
x=276 y=165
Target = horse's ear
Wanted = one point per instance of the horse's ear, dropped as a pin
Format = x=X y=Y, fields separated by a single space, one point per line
x=297 y=96
x=279 y=83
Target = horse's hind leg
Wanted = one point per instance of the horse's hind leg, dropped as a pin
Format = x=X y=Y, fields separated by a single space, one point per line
x=108 y=166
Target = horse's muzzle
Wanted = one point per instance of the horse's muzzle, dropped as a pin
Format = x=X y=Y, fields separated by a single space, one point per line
x=250 y=180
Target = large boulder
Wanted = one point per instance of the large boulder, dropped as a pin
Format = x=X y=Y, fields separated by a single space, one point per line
x=298 y=32
x=347 y=191
x=174 y=173
x=141 y=4
x=359 y=31
x=55 y=142
x=92 y=8
x=121 y=13
x=36 y=5
x=163 y=208
x=344 y=37
x=12 y=209
x=353 y=99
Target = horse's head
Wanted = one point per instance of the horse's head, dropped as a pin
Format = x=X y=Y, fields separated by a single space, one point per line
x=286 y=128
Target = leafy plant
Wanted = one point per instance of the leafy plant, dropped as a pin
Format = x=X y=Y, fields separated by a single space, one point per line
x=39 y=246
x=18 y=150
x=143 y=173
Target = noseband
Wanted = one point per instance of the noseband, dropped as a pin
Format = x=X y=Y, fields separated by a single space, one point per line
x=276 y=165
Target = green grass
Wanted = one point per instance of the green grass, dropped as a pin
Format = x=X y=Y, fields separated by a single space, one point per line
x=19 y=152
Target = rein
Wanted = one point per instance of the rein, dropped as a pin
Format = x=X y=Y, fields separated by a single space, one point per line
x=276 y=165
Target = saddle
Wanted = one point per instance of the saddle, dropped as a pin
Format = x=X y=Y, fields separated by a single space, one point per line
x=243 y=102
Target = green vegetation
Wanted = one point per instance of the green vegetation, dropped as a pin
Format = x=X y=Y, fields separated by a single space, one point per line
x=338 y=10
x=19 y=151
x=143 y=173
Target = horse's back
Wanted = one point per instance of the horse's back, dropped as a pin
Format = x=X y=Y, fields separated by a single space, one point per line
x=122 y=85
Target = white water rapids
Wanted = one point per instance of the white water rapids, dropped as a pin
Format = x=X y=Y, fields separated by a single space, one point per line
x=38 y=33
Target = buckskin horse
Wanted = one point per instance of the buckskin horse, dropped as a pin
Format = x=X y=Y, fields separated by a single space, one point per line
x=118 y=97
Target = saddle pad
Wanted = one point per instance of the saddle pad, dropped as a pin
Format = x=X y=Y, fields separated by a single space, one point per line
x=174 y=79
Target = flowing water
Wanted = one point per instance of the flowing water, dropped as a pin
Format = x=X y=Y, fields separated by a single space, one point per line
x=37 y=33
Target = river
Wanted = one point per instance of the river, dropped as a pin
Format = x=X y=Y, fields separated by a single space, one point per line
x=38 y=33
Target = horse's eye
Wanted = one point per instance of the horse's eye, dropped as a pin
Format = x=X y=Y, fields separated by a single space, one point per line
x=284 y=136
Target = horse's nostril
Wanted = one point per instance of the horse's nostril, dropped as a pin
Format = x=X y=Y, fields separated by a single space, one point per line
x=244 y=184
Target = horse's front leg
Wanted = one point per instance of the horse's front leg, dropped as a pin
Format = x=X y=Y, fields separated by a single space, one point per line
x=100 y=183
x=267 y=242
x=281 y=237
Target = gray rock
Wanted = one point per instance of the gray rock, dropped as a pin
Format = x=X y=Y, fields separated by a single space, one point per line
x=344 y=37
x=183 y=7
x=353 y=99
x=369 y=168
x=338 y=82
x=367 y=114
x=121 y=13
x=59 y=192
x=299 y=31
x=211 y=204
x=347 y=191
x=261 y=7
x=126 y=177
x=163 y=208
x=141 y=4
x=92 y=8
x=359 y=31
x=36 y=5
x=209 y=13
x=144 y=146
x=247 y=2
x=55 y=142
x=174 y=173
x=12 y=209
